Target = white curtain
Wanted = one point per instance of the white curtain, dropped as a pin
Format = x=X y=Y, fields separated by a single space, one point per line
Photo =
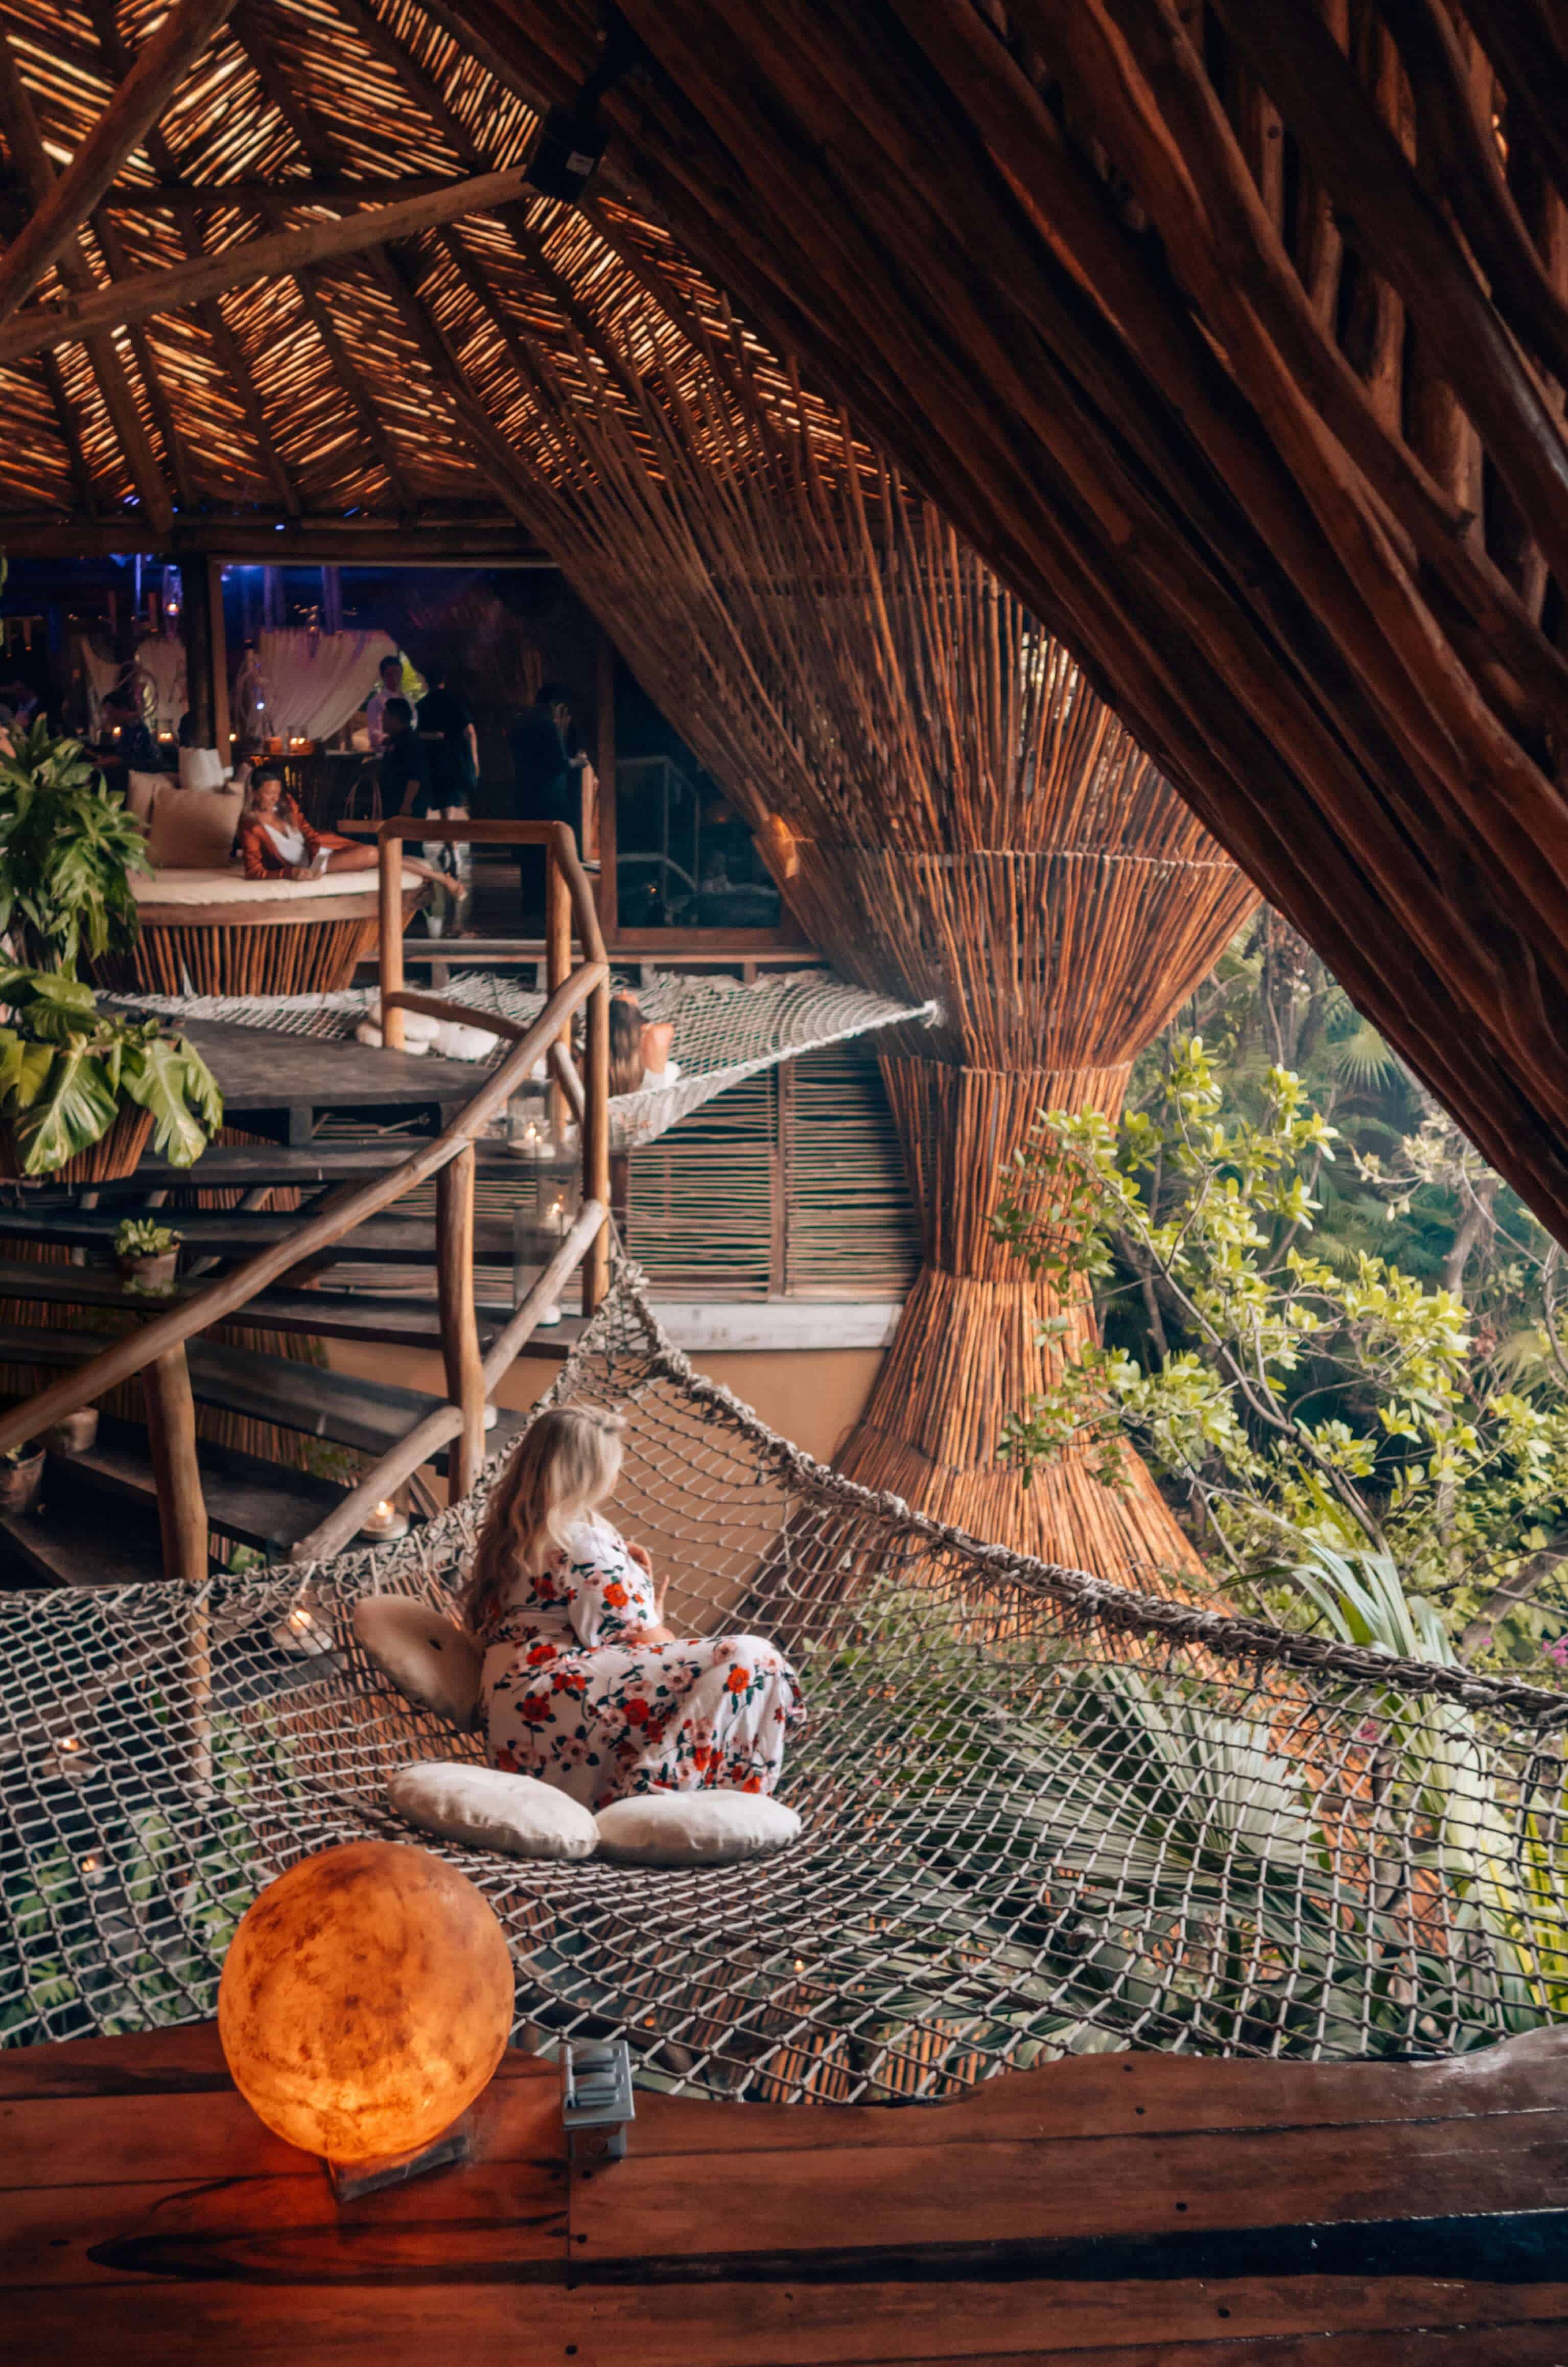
x=314 y=682
x=162 y=665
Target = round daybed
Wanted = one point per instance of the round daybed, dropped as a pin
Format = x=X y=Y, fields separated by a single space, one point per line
x=218 y=933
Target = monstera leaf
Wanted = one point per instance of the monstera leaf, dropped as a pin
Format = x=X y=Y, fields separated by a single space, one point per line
x=165 y=1076
x=69 y=1104
x=67 y=1068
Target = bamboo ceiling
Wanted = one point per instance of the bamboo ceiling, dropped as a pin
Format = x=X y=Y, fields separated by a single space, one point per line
x=1231 y=333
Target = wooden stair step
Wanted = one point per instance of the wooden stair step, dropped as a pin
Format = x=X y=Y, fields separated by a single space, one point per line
x=253 y=1501
x=241 y=1166
x=66 y=1541
x=369 y=1415
x=393 y=1319
x=219 y=1234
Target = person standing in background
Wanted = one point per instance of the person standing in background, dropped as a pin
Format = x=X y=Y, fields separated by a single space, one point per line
x=390 y=685
x=451 y=753
x=547 y=780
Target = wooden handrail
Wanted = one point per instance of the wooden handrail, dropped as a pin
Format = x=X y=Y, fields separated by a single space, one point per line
x=569 y=901
x=139 y=1349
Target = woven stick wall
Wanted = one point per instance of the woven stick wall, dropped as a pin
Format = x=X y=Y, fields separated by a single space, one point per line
x=951 y=811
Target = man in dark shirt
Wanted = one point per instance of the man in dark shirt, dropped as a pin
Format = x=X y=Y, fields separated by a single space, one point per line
x=546 y=779
x=451 y=746
x=405 y=774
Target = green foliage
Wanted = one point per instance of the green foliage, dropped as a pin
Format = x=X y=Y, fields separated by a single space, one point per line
x=140 y=1237
x=67 y=849
x=66 y=1067
x=1281 y=1397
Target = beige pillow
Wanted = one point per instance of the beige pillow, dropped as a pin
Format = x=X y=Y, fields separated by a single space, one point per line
x=193 y=830
x=434 y=1663
x=695 y=1828
x=140 y=788
x=494 y=1810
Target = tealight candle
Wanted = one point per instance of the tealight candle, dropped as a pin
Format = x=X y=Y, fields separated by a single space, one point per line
x=385 y=1522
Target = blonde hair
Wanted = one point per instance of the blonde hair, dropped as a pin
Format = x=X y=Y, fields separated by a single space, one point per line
x=566 y=1465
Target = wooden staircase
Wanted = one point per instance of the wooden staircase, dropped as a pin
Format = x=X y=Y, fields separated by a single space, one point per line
x=149 y=1499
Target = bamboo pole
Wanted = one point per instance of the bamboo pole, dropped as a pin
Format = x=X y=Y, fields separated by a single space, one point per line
x=460 y=1329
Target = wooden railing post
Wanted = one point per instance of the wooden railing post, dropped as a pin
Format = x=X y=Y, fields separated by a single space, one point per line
x=171 y=1436
x=595 y=1141
x=558 y=966
x=460 y=1329
x=390 y=897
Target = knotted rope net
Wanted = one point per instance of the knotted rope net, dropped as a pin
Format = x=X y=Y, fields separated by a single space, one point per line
x=724 y=1031
x=1042 y=1814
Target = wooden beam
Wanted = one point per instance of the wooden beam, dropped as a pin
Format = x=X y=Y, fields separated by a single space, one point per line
x=337 y=191
x=354 y=388
x=145 y=293
x=223 y=728
x=81 y=475
x=460 y=1329
x=197 y=585
x=135 y=108
x=171 y=1439
x=424 y=540
x=109 y=238
x=488 y=447
x=25 y=140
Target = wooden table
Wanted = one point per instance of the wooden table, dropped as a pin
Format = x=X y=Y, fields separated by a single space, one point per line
x=1114 y=2211
x=280 y=945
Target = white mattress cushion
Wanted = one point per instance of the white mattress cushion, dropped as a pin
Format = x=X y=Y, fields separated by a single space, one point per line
x=432 y=1662
x=515 y=1814
x=229 y=886
x=710 y=1827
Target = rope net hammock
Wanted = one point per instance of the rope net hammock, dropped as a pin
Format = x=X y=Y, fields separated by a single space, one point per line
x=1043 y=1814
x=724 y=1031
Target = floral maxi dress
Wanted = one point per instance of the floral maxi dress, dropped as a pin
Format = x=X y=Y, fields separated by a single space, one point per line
x=572 y=1697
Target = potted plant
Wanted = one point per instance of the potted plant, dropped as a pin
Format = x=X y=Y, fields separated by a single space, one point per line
x=148 y=1255
x=67 y=849
x=21 y=1468
x=76 y=1434
x=82 y=1089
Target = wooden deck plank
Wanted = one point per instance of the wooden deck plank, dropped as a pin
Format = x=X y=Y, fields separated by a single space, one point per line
x=150 y=2217
x=1143 y=2093
x=492 y=2322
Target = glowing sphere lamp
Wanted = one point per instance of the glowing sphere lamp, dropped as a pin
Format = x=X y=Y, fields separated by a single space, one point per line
x=366 y=1999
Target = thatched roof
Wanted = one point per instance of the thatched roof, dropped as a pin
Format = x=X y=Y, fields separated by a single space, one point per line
x=1231 y=333
x=380 y=387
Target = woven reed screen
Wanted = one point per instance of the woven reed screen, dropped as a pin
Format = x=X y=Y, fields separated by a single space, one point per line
x=789 y=1185
x=951 y=810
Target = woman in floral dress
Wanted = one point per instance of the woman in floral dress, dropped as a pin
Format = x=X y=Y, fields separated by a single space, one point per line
x=584 y=1684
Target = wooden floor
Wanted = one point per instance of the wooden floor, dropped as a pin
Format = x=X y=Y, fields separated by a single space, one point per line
x=1119 y=2211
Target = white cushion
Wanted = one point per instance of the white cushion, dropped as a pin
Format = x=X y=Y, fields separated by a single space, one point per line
x=432 y=1662
x=514 y=1813
x=227 y=884
x=710 y=1827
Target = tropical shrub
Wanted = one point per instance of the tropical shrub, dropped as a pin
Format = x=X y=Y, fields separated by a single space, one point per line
x=67 y=849
x=66 y=1068
x=1280 y=1397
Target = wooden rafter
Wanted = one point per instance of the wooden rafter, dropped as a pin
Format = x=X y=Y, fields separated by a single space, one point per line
x=136 y=105
x=230 y=352
x=70 y=435
x=143 y=294
x=319 y=313
x=487 y=445
x=109 y=238
x=24 y=142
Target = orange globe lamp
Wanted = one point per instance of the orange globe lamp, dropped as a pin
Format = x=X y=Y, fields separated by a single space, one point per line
x=366 y=1999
